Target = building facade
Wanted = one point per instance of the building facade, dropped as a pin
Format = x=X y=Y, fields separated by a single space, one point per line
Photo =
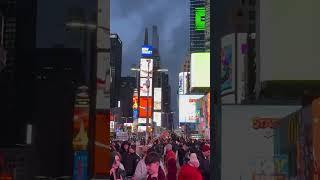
x=116 y=65
x=197 y=25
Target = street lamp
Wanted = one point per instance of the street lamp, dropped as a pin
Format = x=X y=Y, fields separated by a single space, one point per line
x=148 y=89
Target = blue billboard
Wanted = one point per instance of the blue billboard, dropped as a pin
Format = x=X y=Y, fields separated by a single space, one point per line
x=146 y=51
x=80 y=165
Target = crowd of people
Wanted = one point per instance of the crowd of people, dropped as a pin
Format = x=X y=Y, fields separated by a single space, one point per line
x=170 y=158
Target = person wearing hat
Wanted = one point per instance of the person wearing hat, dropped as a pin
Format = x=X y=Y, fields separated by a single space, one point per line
x=204 y=157
x=190 y=170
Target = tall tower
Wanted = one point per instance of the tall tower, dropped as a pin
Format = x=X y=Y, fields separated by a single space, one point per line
x=146 y=41
x=155 y=37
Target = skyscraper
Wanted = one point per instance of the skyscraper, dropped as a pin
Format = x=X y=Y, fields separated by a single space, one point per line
x=115 y=63
x=197 y=25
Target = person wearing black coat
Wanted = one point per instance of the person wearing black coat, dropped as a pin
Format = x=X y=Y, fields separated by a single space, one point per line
x=132 y=161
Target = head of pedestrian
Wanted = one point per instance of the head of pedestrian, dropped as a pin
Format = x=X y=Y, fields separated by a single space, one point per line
x=116 y=160
x=152 y=162
x=193 y=160
x=206 y=150
x=126 y=145
x=132 y=149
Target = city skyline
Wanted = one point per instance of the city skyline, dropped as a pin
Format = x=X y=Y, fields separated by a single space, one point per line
x=173 y=34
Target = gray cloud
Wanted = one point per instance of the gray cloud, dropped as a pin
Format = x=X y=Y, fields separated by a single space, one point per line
x=171 y=17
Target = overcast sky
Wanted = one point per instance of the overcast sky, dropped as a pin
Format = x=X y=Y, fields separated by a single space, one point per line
x=129 y=20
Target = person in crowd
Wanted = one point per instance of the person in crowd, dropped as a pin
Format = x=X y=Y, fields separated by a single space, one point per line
x=132 y=161
x=124 y=151
x=190 y=170
x=154 y=170
x=169 y=153
x=141 y=169
x=117 y=171
x=182 y=153
x=204 y=157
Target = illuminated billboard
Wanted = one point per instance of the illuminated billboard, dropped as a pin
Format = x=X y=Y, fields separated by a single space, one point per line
x=157 y=118
x=142 y=128
x=80 y=128
x=187 y=108
x=142 y=121
x=143 y=107
x=135 y=107
x=183 y=82
x=101 y=153
x=200 y=70
x=227 y=64
x=157 y=99
x=200 y=18
x=146 y=51
x=144 y=87
x=80 y=165
x=146 y=65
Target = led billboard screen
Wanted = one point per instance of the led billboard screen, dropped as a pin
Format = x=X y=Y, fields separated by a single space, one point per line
x=144 y=87
x=157 y=118
x=80 y=165
x=146 y=65
x=228 y=64
x=80 y=128
x=146 y=51
x=142 y=128
x=200 y=18
x=101 y=153
x=187 y=108
x=157 y=99
x=142 y=120
x=238 y=119
x=200 y=70
x=183 y=80
x=143 y=107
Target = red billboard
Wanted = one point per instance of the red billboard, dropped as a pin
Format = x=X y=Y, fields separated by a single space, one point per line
x=143 y=107
x=101 y=152
x=80 y=128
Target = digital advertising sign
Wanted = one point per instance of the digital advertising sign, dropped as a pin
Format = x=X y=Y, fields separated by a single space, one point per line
x=183 y=80
x=228 y=64
x=157 y=118
x=146 y=65
x=142 y=121
x=143 y=107
x=157 y=99
x=80 y=165
x=142 y=128
x=146 y=51
x=187 y=108
x=200 y=70
x=80 y=128
x=144 y=87
x=200 y=18
x=101 y=153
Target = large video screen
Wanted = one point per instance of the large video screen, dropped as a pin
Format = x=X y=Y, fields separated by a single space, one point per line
x=146 y=65
x=200 y=18
x=157 y=118
x=143 y=107
x=187 y=108
x=200 y=70
x=144 y=88
x=157 y=99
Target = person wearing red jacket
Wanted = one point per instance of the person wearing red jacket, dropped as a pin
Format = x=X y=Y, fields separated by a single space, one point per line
x=190 y=170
